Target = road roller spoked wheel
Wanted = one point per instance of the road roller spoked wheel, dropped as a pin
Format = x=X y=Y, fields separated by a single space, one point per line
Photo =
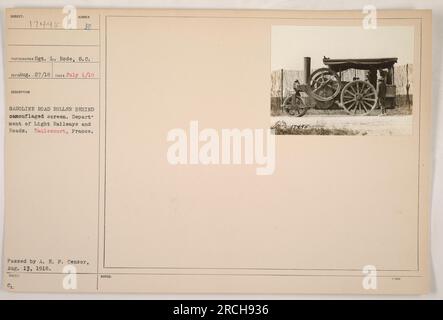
x=358 y=98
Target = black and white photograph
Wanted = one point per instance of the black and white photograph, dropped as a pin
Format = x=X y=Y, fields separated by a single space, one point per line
x=342 y=80
x=227 y=157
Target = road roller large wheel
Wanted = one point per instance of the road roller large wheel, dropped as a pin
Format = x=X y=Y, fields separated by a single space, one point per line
x=358 y=98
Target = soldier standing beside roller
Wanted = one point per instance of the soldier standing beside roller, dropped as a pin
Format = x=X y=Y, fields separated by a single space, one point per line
x=296 y=87
x=381 y=92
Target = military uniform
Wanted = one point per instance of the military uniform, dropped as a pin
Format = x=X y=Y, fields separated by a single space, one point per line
x=381 y=92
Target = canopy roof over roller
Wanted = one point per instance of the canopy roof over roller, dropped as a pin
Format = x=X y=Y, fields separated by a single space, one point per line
x=362 y=64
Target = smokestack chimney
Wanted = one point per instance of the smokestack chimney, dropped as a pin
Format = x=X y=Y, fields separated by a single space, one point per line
x=307 y=69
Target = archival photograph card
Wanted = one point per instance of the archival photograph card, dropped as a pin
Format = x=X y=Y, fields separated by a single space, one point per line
x=217 y=151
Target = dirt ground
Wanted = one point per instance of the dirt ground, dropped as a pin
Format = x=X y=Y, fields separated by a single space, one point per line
x=343 y=124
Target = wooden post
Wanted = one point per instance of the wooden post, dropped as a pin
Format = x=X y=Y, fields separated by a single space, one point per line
x=407 y=87
x=281 y=87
